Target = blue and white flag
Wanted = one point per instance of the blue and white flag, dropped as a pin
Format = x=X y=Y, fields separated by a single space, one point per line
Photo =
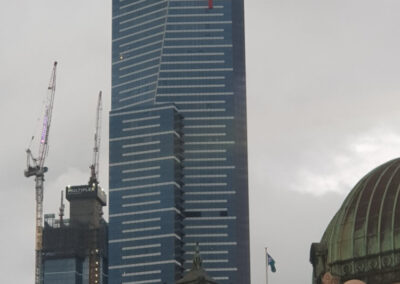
x=271 y=263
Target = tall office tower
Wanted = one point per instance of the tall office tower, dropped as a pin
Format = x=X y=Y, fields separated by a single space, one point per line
x=75 y=249
x=178 y=142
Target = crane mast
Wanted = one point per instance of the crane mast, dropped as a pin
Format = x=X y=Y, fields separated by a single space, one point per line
x=38 y=169
x=94 y=168
x=94 y=257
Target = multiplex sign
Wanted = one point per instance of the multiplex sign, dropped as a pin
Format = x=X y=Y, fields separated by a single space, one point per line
x=80 y=190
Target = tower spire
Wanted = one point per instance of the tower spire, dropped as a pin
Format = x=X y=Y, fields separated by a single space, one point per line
x=197 y=261
x=62 y=207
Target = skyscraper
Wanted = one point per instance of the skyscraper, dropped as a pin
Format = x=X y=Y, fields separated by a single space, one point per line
x=178 y=141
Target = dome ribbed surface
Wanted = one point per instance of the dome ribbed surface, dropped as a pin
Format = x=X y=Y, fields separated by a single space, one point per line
x=368 y=222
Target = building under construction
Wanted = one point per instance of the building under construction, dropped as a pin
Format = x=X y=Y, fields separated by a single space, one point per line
x=75 y=249
x=69 y=251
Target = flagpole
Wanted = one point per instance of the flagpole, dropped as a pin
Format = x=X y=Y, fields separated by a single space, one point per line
x=266 y=265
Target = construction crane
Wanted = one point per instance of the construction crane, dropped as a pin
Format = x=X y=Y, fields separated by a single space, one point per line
x=35 y=167
x=94 y=257
x=94 y=167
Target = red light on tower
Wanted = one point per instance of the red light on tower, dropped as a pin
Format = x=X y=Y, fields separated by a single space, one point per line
x=210 y=4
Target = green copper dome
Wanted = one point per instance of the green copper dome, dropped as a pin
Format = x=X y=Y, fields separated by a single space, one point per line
x=364 y=235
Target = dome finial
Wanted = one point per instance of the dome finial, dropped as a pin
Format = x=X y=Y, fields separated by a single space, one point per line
x=197 y=258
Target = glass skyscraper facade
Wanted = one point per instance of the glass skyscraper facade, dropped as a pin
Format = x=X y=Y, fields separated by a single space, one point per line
x=178 y=141
x=69 y=271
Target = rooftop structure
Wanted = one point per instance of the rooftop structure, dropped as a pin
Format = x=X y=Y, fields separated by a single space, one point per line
x=197 y=275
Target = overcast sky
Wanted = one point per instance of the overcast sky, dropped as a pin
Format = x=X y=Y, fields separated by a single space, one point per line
x=323 y=95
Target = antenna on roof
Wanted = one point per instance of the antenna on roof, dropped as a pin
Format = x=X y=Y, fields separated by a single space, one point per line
x=62 y=206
